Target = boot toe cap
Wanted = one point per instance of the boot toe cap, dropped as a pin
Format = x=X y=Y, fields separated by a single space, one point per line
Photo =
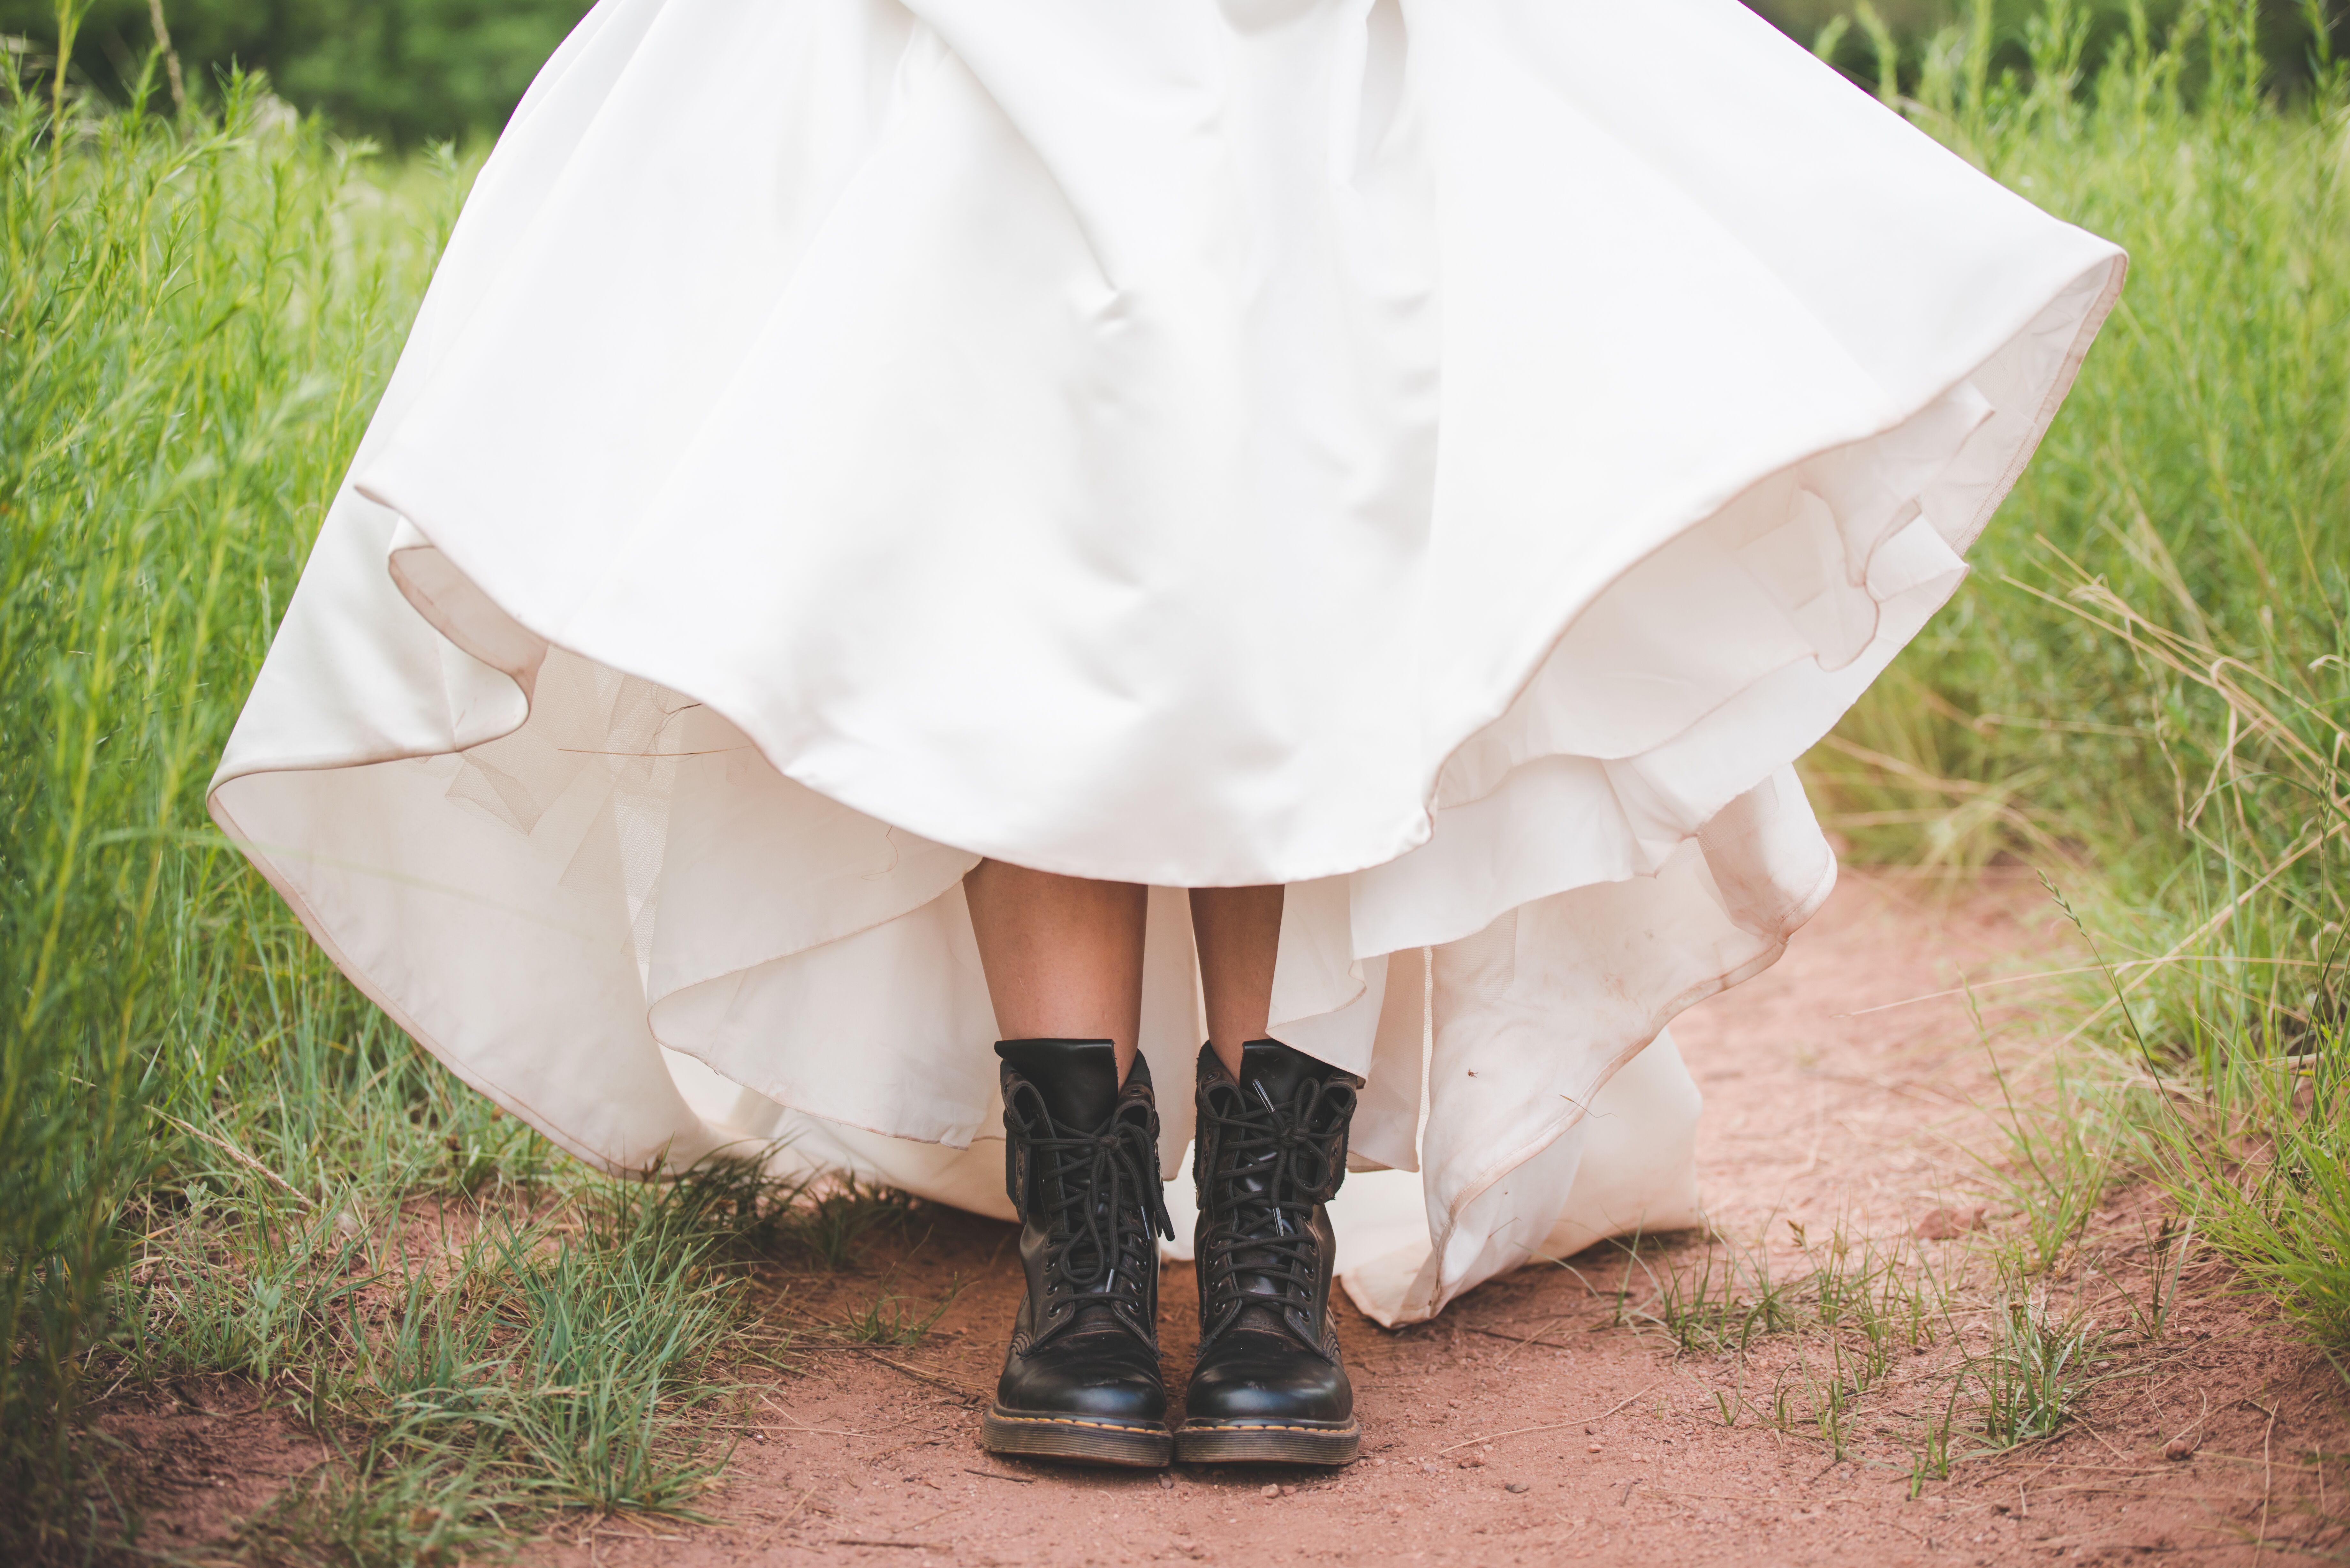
x=1112 y=1380
x=1264 y=1377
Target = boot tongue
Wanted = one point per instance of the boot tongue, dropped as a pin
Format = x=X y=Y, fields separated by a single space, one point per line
x=1078 y=1078
x=1277 y=1070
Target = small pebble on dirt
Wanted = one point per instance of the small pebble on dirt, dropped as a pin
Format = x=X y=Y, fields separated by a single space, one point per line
x=1165 y=1482
x=1516 y=1485
x=1592 y=1447
x=1472 y=1461
x=1289 y=1491
x=1272 y=1492
x=2179 y=1448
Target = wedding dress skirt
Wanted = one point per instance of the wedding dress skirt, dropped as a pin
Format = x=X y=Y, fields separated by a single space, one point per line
x=1447 y=456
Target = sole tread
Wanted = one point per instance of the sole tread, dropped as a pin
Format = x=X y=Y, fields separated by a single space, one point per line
x=1038 y=1435
x=1268 y=1442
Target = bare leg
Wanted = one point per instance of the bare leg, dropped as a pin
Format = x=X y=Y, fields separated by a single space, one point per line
x=1063 y=955
x=1239 y=931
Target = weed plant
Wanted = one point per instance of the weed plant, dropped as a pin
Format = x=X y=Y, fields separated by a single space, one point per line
x=2261 y=1160
x=1874 y=1349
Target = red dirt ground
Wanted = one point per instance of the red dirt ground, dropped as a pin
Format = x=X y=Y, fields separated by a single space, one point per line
x=1525 y=1424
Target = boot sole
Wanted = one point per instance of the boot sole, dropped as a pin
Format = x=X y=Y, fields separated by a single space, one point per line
x=1268 y=1442
x=1002 y=1431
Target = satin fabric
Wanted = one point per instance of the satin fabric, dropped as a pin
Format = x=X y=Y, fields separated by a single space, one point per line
x=1445 y=456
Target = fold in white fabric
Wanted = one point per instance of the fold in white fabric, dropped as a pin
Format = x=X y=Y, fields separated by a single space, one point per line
x=1446 y=456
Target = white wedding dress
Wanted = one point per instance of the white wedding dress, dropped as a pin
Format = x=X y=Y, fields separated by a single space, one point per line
x=1447 y=456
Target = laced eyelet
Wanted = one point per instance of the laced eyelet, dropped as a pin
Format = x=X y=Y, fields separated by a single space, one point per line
x=1272 y=1166
x=1097 y=1196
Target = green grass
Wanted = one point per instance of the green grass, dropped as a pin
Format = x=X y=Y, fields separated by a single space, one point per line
x=196 y=321
x=2261 y=1162
x=212 y=1151
x=215 y=1158
x=2144 y=691
x=1907 y=1356
x=2145 y=688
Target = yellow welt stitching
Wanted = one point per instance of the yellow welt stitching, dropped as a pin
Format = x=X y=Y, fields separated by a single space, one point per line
x=1266 y=1427
x=1072 y=1421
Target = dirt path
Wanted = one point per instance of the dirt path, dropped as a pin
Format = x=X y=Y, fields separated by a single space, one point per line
x=1524 y=1426
x=1532 y=1423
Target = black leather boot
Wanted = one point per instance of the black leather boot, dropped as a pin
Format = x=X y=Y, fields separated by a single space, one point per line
x=1081 y=1162
x=1272 y=1151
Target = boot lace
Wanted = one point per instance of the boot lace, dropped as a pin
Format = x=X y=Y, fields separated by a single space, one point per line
x=1270 y=1164
x=1102 y=1207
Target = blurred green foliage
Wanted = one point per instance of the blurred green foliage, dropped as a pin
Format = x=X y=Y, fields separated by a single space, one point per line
x=403 y=72
x=1855 y=34
x=410 y=71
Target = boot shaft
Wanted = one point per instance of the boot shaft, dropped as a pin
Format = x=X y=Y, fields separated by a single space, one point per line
x=1081 y=1167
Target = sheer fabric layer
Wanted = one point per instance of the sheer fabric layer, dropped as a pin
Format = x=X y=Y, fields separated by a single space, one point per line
x=1406 y=452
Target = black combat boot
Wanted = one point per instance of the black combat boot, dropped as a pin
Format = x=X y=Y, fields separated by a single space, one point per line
x=1272 y=1151
x=1081 y=1161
